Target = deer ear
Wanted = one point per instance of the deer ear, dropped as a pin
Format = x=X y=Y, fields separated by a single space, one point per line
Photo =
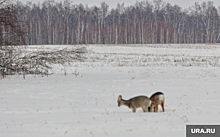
x=119 y=97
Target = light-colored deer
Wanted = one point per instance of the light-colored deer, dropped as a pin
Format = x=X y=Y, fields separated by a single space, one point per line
x=157 y=99
x=135 y=102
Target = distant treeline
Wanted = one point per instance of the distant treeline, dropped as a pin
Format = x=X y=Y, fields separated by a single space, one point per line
x=144 y=22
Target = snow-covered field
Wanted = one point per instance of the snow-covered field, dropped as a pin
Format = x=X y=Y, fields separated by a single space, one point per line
x=167 y=55
x=85 y=105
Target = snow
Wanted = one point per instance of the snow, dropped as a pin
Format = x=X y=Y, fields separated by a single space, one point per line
x=86 y=104
x=152 y=56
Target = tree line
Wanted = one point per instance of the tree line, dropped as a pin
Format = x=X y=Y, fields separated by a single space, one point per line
x=15 y=58
x=144 y=22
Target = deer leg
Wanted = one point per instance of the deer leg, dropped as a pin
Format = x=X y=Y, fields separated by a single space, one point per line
x=151 y=107
x=156 y=108
x=133 y=109
x=145 y=108
x=162 y=105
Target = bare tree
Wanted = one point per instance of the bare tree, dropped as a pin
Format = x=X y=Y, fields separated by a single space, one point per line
x=11 y=34
x=15 y=58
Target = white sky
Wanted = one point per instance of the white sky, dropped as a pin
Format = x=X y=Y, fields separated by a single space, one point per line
x=113 y=3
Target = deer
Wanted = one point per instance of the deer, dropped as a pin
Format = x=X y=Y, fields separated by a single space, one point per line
x=157 y=99
x=135 y=102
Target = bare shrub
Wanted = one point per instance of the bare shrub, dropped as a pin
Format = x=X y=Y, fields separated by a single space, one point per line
x=39 y=62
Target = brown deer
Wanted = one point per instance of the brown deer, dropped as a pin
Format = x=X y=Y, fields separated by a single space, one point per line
x=157 y=99
x=135 y=102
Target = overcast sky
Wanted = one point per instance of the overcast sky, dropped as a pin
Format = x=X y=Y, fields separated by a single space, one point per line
x=113 y=3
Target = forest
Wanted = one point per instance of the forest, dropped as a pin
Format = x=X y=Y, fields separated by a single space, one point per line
x=145 y=22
